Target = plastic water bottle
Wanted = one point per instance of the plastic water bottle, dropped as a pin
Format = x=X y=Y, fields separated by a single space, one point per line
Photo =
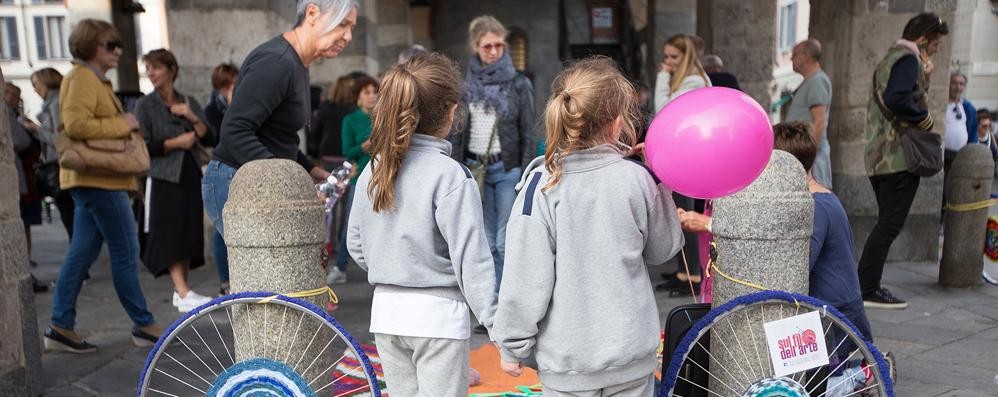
x=334 y=186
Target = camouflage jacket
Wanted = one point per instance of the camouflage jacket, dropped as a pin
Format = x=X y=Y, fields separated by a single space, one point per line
x=884 y=154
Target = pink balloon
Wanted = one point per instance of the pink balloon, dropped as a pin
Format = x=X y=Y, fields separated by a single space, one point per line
x=709 y=143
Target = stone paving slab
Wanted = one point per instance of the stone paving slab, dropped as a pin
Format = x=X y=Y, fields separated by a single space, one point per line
x=945 y=342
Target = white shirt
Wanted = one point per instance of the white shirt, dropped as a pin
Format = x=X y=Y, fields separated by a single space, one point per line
x=482 y=123
x=420 y=315
x=956 y=126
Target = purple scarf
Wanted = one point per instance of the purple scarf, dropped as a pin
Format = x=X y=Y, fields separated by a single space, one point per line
x=489 y=84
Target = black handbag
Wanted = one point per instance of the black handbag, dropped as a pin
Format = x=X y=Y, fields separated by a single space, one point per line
x=923 y=150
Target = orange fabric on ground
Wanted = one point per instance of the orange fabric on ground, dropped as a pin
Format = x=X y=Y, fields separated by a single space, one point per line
x=485 y=360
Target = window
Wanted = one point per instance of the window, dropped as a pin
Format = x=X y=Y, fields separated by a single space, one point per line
x=517 y=40
x=788 y=26
x=10 y=49
x=51 y=37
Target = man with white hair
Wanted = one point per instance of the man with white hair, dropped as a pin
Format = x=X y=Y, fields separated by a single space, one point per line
x=714 y=67
x=811 y=102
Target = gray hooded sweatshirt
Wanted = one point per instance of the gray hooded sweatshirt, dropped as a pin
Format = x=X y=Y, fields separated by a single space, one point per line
x=575 y=292
x=433 y=241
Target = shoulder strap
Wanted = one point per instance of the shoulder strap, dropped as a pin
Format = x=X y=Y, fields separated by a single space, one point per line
x=492 y=137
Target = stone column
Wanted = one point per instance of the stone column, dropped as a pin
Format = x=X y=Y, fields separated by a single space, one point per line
x=20 y=349
x=667 y=18
x=969 y=181
x=274 y=229
x=855 y=35
x=742 y=33
x=393 y=30
x=763 y=237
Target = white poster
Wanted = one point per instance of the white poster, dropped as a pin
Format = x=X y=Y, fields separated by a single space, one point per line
x=602 y=17
x=796 y=343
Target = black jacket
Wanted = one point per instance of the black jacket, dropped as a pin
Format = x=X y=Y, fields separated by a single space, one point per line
x=516 y=129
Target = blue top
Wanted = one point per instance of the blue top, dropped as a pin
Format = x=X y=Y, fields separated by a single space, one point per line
x=834 y=277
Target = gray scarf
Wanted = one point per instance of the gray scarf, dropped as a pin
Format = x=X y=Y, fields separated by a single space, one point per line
x=489 y=84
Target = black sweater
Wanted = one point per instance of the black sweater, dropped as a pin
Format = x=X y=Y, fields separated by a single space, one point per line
x=269 y=107
x=898 y=94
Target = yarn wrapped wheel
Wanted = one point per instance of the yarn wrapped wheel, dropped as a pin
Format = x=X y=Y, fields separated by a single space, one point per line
x=311 y=355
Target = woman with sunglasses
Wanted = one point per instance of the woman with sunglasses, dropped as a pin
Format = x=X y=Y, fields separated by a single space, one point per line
x=498 y=131
x=90 y=110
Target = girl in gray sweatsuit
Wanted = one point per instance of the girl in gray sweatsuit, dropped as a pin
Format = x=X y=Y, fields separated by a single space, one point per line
x=576 y=296
x=416 y=227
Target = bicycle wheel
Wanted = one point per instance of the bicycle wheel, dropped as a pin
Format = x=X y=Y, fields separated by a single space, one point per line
x=254 y=343
x=856 y=367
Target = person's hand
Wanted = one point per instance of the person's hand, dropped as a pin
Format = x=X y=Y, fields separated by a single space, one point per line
x=366 y=146
x=662 y=67
x=133 y=123
x=186 y=140
x=692 y=221
x=638 y=150
x=28 y=124
x=181 y=110
x=929 y=66
x=318 y=174
x=511 y=369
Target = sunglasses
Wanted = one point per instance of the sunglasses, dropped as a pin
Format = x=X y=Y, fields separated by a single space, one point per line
x=493 y=46
x=956 y=109
x=111 y=45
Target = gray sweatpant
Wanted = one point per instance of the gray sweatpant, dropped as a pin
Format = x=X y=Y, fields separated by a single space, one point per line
x=642 y=387
x=424 y=367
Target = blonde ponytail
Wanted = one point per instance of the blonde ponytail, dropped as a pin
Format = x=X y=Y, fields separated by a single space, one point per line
x=415 y=98
x=587 y=99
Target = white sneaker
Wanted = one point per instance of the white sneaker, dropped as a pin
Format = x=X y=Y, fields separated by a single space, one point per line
x=336 y=276
x=192 y=301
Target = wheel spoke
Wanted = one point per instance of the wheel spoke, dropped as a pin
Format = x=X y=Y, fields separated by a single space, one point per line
x=304 y=352
x=694 y=384
x=178 y=380
x=220 y=339
x=209 y=350
x=197 y=357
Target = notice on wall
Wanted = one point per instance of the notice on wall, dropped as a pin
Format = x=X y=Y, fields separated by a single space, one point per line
x=602 y=17
x=796 y=343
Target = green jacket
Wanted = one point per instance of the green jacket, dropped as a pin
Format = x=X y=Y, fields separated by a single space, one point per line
x=884 y=153
x=356 y=130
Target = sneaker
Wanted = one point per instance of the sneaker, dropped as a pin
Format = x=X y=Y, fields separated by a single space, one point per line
x=883 y=299
x=336 y=276
x=54 y=341
x=143 y=339
x=190 y=302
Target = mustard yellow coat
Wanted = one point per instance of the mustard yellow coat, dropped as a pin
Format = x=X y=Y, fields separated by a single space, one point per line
x=91 y=110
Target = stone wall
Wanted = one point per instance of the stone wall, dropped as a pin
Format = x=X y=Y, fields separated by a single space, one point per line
x=20 y=349
x=743 y=34
x=205 y=33
x=855 y=35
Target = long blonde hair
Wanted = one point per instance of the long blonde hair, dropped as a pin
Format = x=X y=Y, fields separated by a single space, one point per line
x=587 y=99
x=689 y=63
x=415 y=97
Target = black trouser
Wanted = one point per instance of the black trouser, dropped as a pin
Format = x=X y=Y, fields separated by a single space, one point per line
x=64 y=202
x=895 y=193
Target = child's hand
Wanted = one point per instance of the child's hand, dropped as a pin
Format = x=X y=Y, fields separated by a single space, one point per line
x=694 y=221
x=512 y=369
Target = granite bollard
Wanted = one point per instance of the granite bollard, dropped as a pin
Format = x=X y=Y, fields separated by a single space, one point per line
x=274 y=229
x=969 y=181
x=762 y=235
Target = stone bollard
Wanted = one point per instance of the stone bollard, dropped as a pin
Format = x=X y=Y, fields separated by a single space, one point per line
x=274 y=229
x=969 y=181
x=763 y=237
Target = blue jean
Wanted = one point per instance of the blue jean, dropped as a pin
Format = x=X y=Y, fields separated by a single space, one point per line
x=214 y=193
x=500 y=192
x=101 y=215
x=342 y=255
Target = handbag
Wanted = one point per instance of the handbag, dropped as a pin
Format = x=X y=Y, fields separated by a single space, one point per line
x=478 y=167
x=923 y=150
x=112 y=157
